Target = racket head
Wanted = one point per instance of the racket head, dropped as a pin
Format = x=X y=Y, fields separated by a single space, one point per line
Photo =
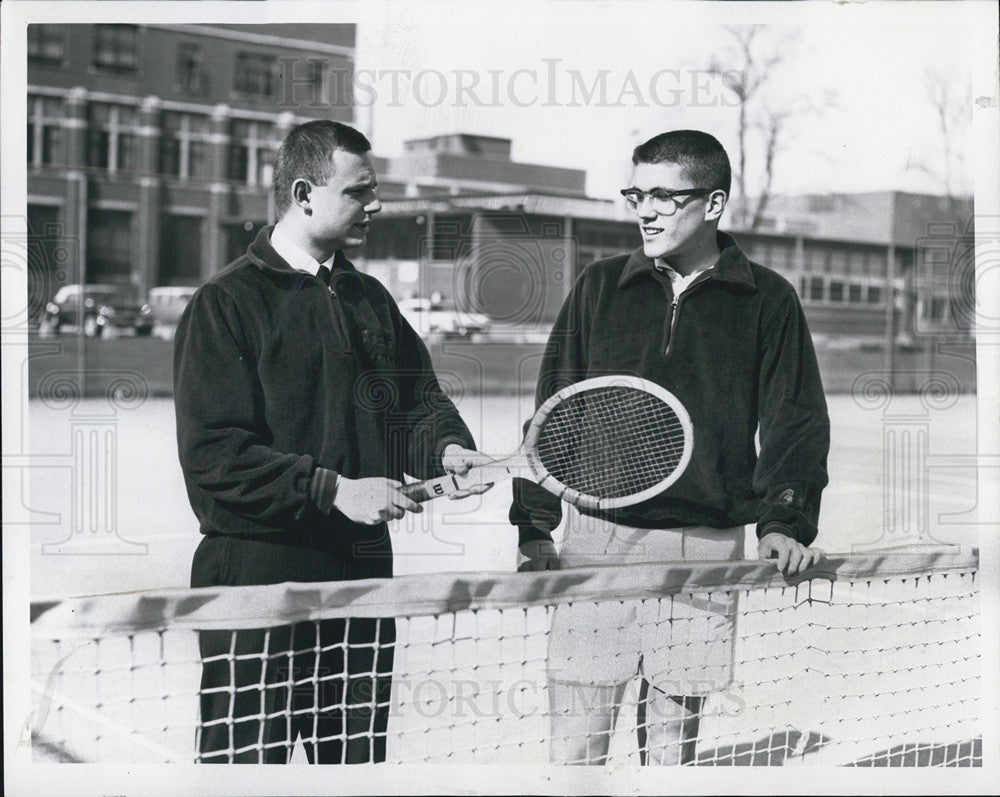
x=610 y=441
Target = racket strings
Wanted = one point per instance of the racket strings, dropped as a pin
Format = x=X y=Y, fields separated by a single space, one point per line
x=611 y=442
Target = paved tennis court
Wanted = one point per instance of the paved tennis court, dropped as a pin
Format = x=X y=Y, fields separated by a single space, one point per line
x=908 y=456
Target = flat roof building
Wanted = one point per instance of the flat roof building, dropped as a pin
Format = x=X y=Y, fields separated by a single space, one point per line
x=514 y=255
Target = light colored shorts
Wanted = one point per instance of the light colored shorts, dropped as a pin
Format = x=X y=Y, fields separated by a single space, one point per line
x=682 y=644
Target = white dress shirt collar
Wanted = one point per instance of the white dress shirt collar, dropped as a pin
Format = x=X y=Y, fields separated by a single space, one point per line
x=679 y=281
x=295 y=255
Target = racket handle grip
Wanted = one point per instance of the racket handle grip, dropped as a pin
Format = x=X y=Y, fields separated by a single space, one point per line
x=432 y=488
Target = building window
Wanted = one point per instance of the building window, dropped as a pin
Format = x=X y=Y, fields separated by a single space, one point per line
x=836 y=291
x=938 y=309
x=874 y=294
x=184 y=146
x=814 y=258
x=251 y=152
x=115 y=47
x=109 y=246
x=782 y=256
x=112 y=141
x=256 y=75
x=46 y=45
x=855 y=293
x=878 y=263
x=180 y=251
x=305 y=82
x=815 y=290
x=191 y=75
x=315 y=70
x=45 y=137
x=857 y=261
x=838 y=261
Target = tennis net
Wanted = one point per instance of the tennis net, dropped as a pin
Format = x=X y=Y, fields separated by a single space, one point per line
x=869 y=661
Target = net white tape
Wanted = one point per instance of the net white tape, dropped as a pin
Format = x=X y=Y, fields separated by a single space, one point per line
x=872 y=661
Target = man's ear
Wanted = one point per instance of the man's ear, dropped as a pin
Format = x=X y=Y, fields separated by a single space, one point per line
x=301 y=194
x=716 y=205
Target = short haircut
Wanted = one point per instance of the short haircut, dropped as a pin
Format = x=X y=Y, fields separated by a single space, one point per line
x=704 y=160
x=307 y=153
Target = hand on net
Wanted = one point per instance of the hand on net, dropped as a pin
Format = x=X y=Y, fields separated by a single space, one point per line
x=793 y=557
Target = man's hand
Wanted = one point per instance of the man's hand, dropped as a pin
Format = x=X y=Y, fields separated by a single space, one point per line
x=458 y=460
x=538 y=555
x=372 y=500
x=793 y=557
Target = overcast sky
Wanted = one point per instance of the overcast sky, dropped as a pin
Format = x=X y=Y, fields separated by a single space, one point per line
x=459 y=72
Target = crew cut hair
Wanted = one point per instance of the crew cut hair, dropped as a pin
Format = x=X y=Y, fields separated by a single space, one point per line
x=703 y=158
x=307 y=153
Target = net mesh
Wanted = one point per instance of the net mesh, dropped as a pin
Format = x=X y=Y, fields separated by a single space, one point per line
x=611 y=442
x=874 y=661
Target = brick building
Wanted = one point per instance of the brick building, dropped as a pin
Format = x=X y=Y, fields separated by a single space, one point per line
x=149 y=147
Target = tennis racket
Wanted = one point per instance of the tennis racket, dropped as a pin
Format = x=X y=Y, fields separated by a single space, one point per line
x=602 y=443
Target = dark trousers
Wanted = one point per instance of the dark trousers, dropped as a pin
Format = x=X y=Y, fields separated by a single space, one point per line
x=326 y=683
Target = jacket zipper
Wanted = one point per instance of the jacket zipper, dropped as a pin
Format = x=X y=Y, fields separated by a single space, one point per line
x=673 y=325
x=338 y=313
x=675 y=306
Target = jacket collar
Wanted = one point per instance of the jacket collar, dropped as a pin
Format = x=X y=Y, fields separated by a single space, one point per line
x=262 y=253
x=732 y=265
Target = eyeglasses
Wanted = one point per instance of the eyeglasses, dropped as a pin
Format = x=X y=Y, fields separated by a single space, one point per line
x=660 y=199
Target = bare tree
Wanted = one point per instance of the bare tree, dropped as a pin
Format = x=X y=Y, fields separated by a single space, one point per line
x=745 y=78
x=773 y=127
x=949 y=97
x=765 y=122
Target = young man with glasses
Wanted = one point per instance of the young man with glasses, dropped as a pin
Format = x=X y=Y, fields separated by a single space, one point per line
x=728 y=337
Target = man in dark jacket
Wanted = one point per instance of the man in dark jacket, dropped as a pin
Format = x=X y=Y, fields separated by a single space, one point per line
x=302 y=396
x=728 y=337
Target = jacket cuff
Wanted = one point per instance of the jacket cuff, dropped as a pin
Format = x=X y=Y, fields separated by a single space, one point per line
x=774 y=527
x=323 y=489
x=792 y=510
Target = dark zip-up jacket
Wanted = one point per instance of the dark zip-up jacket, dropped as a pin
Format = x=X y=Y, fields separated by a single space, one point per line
x=276 y=376
x=735 y=349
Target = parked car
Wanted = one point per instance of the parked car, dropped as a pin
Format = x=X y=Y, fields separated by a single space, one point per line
x=167 y=303
x=429 y=318
x=99 y=308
